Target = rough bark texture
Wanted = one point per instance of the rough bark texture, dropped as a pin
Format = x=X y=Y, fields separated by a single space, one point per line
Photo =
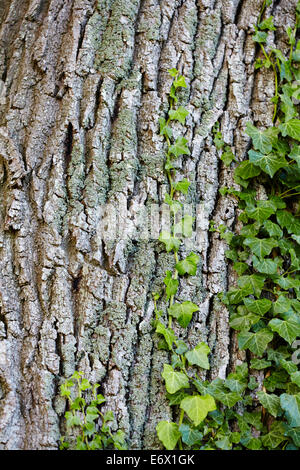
x=83 y=83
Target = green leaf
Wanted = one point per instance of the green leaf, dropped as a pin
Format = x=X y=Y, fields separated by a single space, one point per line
x=170 y=242
x=240 y=268
x=182 y=186
x=179 y=148
x=282 y=304
x=235 y=296
x=167 y=333
x=256 y=342
x=179 y=82
x=190 y=436
x=219 y=392
x=255 y=282
x=261 y=247
x=164 y=129
x=288 y=329
x=261 y=140
x=291 y=128
x=198 y=356
x=270 y=401
x=265 y=266
x=185 y=226
x=273 y=229
x=174 y=380
x=295 y=378
x=188 y=265
x=291 y=405
x=275 y=436
x=294 y=433
x=243 y=321
x=259 y=364
x=269 y=163
x=260 y=36
x=183 y=312
x=288 y=221
x=173 y=72
x=246 y=170
x=260 y=307
x=171 y=284
x=175 y=206
x=267 y=24
x=168 y=433
x=289 y=366
x=262 y=211
x=178 y=114
x=72 y=419
x=197 y=407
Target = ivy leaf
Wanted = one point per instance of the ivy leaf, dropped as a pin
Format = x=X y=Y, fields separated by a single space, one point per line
x=261 y=247
x=295 y=154
x=173 y=72
x=164 y=129
x=197 y=407
x=287 y=282
x=269 y=163
x=295 y=378
x=188 y=265
x=242 y=321
x=256 y=342
x=180 y=147
x=260 y=307
x=291 y=405
x=288 y=329
x=174 y=380
x=235 y=296
x=167 y=333
x=275 y=436
x=246 y=170
x=273 y=229
x=289 y=366
x=288 y=221
x=267 y=24
x=270 y=401
x=185 y=226
x=262 y=211
x=183 y=312
x=260 y=36
x=168 y=433
x=294 y=433
x=175 y=206
x=259 y=364
x=254 y=281
x=291 y=128
x=265 y=266
x=219 y=392
x=170 y=242
x=182 y=186
x=282 y=304
x=261 y=140
x=190 y=436
x=178 y=114
x=171 y=284
x=198 y=356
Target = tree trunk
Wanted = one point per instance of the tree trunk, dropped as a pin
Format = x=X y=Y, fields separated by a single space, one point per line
x=83 y=83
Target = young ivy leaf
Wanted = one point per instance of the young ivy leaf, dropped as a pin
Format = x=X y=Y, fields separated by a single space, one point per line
x=164 y=129
x=168 y=434
x=174 y=380
x=179 y=82
x=198 y=356
x=260 y=36
x=188 y=265
x=179 y=148
x=171 y=284
x=197 y=407
x=182 y=186
x=170 y=242
x=178 y=114
x=167 y=333
x=183 y=312
x=184 y=227
x=267 y=24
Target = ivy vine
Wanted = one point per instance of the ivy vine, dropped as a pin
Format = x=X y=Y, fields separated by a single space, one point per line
x=239 y=412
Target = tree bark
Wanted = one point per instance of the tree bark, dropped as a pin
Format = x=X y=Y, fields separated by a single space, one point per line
x=83 y=83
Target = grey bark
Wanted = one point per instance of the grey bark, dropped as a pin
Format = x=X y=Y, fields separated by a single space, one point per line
x=83 y=83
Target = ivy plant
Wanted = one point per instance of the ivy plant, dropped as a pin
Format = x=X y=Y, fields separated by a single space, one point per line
x=240 y=412
x=84 y=415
